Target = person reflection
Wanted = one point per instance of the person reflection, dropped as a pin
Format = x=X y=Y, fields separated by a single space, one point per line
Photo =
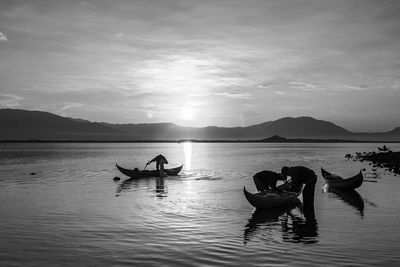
x=294 y=228
x=160 y=187
x=268 y=220
x=302 y=229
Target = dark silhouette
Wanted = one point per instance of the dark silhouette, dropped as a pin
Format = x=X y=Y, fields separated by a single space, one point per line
x=266 y=180
x=160 y=160
x=389 y=160
x=334 y=180
x=136 y=173
x=384 y=148
x=302 y=175
x=37 y=125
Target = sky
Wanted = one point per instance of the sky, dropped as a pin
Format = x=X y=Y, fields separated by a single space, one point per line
x=200 y=63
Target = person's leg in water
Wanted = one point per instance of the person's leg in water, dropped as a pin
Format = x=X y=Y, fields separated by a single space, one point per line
x=308 y=197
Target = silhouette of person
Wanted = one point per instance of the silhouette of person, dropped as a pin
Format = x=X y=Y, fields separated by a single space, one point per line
x=266 y=180
x=302 y=175
x=160 y=160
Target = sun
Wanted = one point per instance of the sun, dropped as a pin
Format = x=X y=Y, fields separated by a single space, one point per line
x=188 y=114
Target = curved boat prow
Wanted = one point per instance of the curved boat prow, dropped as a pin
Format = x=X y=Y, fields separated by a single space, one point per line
x=351 y=183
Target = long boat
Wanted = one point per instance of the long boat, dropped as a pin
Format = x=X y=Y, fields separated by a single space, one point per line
x=269 y=199
x=148 y=173
x=336 y=181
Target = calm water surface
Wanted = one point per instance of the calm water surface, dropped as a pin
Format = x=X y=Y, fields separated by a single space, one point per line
x=71 y=212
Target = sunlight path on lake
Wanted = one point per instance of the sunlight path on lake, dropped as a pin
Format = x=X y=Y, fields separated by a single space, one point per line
x=187 y=150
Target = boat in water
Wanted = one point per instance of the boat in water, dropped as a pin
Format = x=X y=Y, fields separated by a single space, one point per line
x=271 y=199
x=336 y=181
x=148 y=173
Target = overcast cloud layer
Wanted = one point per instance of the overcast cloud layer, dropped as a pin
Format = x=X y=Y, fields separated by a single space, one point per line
x=199 y=63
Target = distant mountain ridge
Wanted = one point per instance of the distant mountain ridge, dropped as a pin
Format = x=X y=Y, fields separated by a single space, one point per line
x=17 y=124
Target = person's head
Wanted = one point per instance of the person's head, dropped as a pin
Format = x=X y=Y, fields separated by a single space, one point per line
x=284 y=172
x=136 y=169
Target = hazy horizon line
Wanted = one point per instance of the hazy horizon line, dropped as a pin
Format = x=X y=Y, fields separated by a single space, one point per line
x=199 y=127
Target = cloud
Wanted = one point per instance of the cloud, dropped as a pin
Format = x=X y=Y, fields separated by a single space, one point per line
x=3 y=37
x=353 y=88
x=307 y=87
x=266 y=85
x=396 y=85
x=10 y=100
x=235 y=95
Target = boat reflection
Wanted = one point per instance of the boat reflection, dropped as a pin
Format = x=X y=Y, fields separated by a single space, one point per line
x=287 y=220
x=131 y=184
x=350 y=197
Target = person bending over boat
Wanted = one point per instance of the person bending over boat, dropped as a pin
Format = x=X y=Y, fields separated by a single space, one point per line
x=266 y=180
x=160 y=160
x=303 y=175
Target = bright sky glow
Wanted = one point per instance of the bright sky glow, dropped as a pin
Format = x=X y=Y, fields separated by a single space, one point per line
x=201 y=63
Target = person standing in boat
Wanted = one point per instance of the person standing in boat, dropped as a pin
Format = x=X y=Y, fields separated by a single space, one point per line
x=160 y=160
x=303 y=175
x=266 y=180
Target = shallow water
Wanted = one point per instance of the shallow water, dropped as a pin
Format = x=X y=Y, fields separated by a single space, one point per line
x=71 y=212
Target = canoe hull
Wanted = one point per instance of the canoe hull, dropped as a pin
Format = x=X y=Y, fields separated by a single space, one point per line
x=269 y=200
x=345 y=184
x=148 y=173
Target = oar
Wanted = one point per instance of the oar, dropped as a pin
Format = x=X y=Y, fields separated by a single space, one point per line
x=371 y=181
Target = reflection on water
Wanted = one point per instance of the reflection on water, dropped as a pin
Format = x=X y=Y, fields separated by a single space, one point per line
x=160 y=187
x=126 y=185
x=288 y=220
x=187 y=151
x=297 y=229
x=67 y=214
x=350 y=197
x=133 y=184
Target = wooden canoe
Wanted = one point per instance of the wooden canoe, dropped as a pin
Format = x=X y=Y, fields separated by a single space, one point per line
x=268 y=199
x=336 y=181
x=148 y=173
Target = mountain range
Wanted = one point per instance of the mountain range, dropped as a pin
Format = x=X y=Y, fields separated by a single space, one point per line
x=17 y=124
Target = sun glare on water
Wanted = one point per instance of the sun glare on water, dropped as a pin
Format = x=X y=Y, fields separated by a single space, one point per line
x=187 y=150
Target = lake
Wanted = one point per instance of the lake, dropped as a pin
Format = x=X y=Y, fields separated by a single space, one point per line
x=71 y=212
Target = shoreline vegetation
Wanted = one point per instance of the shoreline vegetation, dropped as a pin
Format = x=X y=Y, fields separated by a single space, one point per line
x=389 y=160
x=272 y=139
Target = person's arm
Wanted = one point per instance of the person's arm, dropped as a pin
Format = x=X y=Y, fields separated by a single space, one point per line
x=150 y=161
